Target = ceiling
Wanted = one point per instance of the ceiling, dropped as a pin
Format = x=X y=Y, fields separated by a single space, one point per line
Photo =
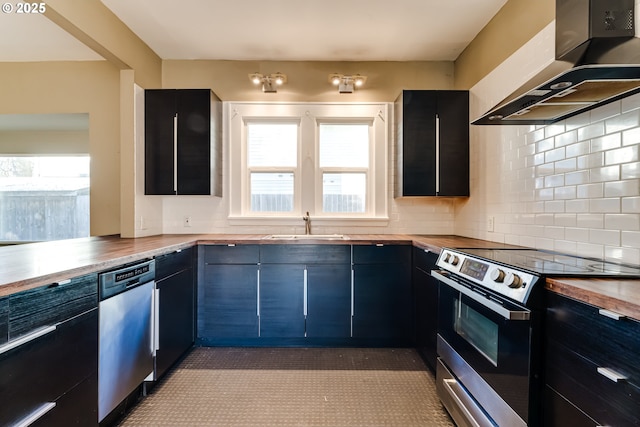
x=278 y=30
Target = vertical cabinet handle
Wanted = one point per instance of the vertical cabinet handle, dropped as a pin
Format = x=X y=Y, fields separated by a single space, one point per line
x=175 y=153
x=258 y=294
x=304 y=292
x=156 y=321
x=437 y=154
x=36 y=415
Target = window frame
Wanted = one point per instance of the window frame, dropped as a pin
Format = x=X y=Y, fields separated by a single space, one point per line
x=308 y=176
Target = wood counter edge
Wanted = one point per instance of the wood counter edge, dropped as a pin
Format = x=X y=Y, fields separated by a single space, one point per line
x=579 y=289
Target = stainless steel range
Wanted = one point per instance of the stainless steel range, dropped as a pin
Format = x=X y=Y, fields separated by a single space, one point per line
x=490 y=311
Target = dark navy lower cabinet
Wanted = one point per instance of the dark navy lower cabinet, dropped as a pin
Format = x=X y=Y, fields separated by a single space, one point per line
x=228 y=295
x=383 y=311
x=329 y=301
x=282 y=301
x=175 y=281
x=591 y=365
x=425 y=297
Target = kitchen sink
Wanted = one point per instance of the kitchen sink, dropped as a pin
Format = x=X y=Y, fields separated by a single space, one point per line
x=307 y=237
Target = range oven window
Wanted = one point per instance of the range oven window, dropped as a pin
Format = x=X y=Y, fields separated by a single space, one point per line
x=478 y=330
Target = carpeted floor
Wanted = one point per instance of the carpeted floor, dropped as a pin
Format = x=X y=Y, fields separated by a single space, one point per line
x=294 y=387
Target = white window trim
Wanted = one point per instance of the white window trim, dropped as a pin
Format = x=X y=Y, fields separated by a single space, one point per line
x=309 y=173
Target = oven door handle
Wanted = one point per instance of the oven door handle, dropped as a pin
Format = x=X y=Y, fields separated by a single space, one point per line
x=486 y=302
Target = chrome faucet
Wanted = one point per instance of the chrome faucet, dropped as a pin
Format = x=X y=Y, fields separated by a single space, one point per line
x=307 y=223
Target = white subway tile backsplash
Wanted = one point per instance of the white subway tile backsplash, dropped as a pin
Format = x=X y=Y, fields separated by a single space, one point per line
x=631 y=205
x=631 y=102
x=622 y=155
x=590 y=220
x=576 y=234
x=628 y=120
x=565 y=220
x=577 y=205
x=606 y=142
x=577 y=149
x=544 y=145
x=564 y=193
x=554 y=206
x=564 y=166
x=607 y=173
x=575 y=178
x=590 y=191
x=631 y=239
x=592 y=131
x=590 y=250
x=631 y=136
x=591 y=161
x=554 y=181
x=606 y=205
x=554 y=155
x=567 y=138
x=626 y=188
x=631 y=170
x=622 y=222
x=604 y=237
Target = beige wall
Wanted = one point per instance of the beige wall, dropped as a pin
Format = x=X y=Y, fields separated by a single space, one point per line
x=76 y=87
x=48 y=142
x=514 y=25
x=307 y=81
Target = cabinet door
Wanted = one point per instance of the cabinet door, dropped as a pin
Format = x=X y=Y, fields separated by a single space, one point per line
x=176 y=319
x=159 y=111
x=328 y=301
x=425 y=292
x=382 y=302
x=228 y=304
x=418 y=143
x=282 y=301
x=194 y=141
x=453 y=116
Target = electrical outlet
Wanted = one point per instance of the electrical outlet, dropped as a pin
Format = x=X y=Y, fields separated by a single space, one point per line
x=490 y=223
x=143 y=223
x=187 y=221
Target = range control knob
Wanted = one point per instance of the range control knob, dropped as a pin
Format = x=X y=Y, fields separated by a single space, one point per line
x=447 y=255
x=455 y=260
x=513 y=281
x=497 y=275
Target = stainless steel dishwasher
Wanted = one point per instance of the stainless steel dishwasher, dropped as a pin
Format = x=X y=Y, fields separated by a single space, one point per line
x=125 y=346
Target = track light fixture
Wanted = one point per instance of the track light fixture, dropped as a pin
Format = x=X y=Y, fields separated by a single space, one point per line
x=270 y=82
x=345 y=83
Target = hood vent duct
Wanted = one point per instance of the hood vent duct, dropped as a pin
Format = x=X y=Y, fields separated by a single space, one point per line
x=597 y=62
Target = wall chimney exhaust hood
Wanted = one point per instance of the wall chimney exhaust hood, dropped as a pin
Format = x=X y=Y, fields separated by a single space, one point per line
x=597 y=62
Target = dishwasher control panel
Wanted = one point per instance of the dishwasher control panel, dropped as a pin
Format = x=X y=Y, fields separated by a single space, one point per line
x=119 y=280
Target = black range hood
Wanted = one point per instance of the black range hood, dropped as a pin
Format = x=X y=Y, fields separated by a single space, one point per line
x=597 y=62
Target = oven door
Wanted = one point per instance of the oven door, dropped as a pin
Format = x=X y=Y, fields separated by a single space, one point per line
x=485 y=342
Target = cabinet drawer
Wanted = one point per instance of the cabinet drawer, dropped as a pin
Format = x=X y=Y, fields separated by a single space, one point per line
x=169 y=264
x=559 y=412
x=45 y=368
x=232 y=254
x=4 y=320
x=305 y=254
x=77 y=407
x=381 y=254
x=606 y=342
x=577 y=379
x=424 y=260
x=48 y=305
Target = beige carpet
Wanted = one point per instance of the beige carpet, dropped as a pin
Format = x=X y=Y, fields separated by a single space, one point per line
x=294 y=387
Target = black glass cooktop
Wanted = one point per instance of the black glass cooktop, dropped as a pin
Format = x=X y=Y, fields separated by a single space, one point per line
x=546 y=263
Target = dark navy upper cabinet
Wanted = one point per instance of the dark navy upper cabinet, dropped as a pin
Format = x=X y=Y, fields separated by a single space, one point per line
x=432 y=136
x=183 y=151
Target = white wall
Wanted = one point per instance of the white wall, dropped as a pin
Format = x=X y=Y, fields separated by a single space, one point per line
x=573 y=186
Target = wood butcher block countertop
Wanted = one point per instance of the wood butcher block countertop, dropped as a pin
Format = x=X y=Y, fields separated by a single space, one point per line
x=620 y=296
x=27 y=266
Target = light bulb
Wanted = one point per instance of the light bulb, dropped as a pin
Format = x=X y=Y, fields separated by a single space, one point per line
x=279 y=80
x=359 y=81
x=256 y=79
x=335 y=80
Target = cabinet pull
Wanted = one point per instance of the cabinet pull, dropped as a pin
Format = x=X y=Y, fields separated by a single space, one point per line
x=258 y=296
x=352 y=291
x=611 y=314
x=175 y=153
x=155 y=344
x=611 y=374
x=27 y=338
x=437 y=154
x=304 y=291
x=36 y=415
